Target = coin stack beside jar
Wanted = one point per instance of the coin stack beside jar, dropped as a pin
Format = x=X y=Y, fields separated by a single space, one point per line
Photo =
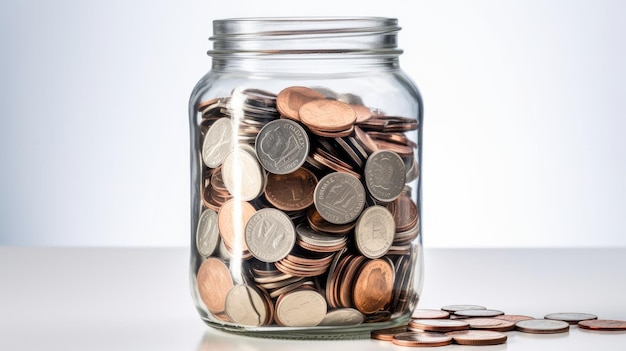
x=309 y=190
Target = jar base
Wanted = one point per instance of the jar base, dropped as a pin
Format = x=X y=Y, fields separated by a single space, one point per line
x=361 y=331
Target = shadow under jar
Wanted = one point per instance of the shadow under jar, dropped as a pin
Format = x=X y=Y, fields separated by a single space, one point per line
x=305 y=179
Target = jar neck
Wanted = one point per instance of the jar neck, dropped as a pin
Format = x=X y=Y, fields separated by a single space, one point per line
x=288 y=44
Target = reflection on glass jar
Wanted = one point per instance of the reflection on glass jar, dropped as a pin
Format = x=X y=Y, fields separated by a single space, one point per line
x=305 y=179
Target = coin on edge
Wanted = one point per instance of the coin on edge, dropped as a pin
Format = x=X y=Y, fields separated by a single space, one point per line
x=217 y=142
x=207 y=233
x=542 y=326
x=214 y=282
x=477 y=337
x=245 y=306
x=603 y=324
x=571 y=317
x=373 y=286
x=421 y=339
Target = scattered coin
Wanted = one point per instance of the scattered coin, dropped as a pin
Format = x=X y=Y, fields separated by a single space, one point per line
x=513 y=317
x=493 y=324
x=455 y=308
x=478 y=313
x=603 y=324
x=542 y=326
x=438 y=325
x=571 y=317
x=425 y=313
x=477 y=337
x=421 y=339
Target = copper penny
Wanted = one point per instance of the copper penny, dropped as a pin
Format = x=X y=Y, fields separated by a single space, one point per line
x=387 y=334
x=603 y=324
x=363 y=113
x=425 y=313
x=292 y=191
x=438 y=325
x=494 y=324
x=477 y=337
x=513 y=317
x=232 y=219
x=327 y=115
x=571 y=317
x=290 y=99
x=318 y=223
x=373 y=286
x=417 y=339
x=214 y=282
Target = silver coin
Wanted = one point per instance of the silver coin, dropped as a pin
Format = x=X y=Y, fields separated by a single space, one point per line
x=478 y=313
x=242 y=174
x=217 y=142
x=245 y=306
x=343 y=317
x=270 y=235
x=385 y=175
x=374 y=231
x=310 y=236
x=455 y=308
x=571 y=317
x=301 y=308
x=282 y=146
x=207 y=233
x=339 y=197
x=542 y=326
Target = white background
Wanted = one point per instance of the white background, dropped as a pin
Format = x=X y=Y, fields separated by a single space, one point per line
x=523 y=142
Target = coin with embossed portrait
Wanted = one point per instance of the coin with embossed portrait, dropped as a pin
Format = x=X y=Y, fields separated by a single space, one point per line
x=339 y=197
x=282 y=146
x=385 y=175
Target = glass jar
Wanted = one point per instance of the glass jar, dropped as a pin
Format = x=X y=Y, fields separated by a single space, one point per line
x=305 y=179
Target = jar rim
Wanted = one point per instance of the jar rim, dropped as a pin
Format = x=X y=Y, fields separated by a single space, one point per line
x=269 y=34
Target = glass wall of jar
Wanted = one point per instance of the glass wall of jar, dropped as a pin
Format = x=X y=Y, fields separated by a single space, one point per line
x=305 y=179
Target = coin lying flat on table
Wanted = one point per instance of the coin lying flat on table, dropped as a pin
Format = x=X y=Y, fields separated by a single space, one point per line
x=425 y=313
x=571 y=317
x=542 y=326
x=421 y=339
x=603 y=324
x=438 y=325
x=387 y=334
x=513 y=317
x=493 y=324
x=478 y=313
x=477 y=337
x=455 y=308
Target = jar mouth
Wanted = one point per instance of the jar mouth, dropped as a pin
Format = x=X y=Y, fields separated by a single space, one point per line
x=305 y=35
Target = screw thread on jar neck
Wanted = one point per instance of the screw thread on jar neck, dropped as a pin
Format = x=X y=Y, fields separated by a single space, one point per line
x=371 y=40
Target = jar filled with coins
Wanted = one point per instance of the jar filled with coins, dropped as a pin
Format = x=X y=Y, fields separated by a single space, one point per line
x=305 y=179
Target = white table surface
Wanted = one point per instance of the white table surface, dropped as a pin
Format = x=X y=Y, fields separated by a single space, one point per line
x=138 y=298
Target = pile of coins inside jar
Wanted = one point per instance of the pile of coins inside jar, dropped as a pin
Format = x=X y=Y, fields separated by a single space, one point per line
x=307 y=215
x=478 y=325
